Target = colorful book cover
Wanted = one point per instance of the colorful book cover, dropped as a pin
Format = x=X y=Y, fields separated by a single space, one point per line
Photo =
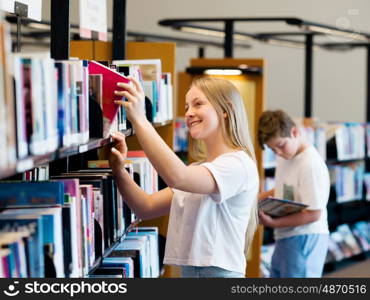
x=99 y=225
x=124 y=262
x=110 y=80
x=73 y=203
x=21 y=194
x=152 y=233
x=333 y=247
x=98 y=164
x=52 y=235
x=87 y=192
x=34 y=225
x=136 y=153
x=349 y=239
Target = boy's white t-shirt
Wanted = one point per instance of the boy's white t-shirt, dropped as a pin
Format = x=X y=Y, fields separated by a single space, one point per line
x=210 y=229
x=304 y=179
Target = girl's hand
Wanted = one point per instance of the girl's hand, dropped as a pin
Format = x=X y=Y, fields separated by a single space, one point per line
x=118 y=153
x=135 y=104
x=266 y=220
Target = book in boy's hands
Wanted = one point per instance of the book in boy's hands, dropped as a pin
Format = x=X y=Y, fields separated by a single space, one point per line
x=110 y=80
x=280 y=207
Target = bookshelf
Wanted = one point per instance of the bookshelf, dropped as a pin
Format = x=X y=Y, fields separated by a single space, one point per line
x=166 y=52
x=251 y=87
x=70 y=158
x=344 y=206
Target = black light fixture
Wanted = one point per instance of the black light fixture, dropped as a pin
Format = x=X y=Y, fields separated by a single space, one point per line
x=329 y=30
x=306 y=29
x=190 y=25
x=42 y=30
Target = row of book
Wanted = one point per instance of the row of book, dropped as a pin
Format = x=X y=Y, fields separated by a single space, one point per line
x=40 y=173
x=348 y=180
x=157 y=86
x=181 y=135
x=349 y=140
x=61 y=227
x=47 y=104
x=136 y=256
x=346 y=241
x=65 y=212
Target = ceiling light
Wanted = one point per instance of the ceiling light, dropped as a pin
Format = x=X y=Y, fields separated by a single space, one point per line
x=222 y=72
x=41 y=26
x=329 y=31
x=203 y=31
x=213 y=32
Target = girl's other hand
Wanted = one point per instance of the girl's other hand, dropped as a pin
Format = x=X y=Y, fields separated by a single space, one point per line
x=135 y=104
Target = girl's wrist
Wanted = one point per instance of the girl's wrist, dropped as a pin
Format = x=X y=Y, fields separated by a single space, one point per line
x=140 y=122
x=119 y=171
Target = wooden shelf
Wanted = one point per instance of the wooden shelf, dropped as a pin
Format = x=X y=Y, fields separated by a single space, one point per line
x=337 y=161
x=352 y=202
x=164 y=123
x=34 y=161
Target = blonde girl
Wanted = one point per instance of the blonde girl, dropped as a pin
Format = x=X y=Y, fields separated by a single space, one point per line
x=211 y=203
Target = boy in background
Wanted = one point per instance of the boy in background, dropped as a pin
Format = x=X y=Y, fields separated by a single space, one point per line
x=301 y=176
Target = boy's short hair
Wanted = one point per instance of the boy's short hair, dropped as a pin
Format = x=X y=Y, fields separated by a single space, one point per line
x=274 y=123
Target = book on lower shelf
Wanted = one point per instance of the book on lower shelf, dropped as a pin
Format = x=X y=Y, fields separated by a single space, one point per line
x=31 y=229
x=43 y=200
x=76 y=218
x=347 y=241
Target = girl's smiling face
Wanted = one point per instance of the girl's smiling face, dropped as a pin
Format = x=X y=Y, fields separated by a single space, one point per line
x=200 y=116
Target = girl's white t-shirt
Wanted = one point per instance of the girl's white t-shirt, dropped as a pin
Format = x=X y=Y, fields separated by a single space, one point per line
x=210 y=229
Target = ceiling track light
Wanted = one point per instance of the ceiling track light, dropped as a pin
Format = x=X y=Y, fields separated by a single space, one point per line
x=331 y=31
x=227 y=72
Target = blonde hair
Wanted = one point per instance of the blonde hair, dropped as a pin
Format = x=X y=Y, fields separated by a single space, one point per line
x=225 y=98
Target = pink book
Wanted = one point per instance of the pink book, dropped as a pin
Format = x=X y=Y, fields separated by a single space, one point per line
x=110 y=80
x=72 y=187
x=88 y=193
x=135 y=153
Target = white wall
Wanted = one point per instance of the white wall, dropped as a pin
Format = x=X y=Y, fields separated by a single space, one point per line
x=339 y=78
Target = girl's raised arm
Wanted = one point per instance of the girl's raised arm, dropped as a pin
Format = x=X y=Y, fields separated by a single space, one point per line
x=174 y=172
